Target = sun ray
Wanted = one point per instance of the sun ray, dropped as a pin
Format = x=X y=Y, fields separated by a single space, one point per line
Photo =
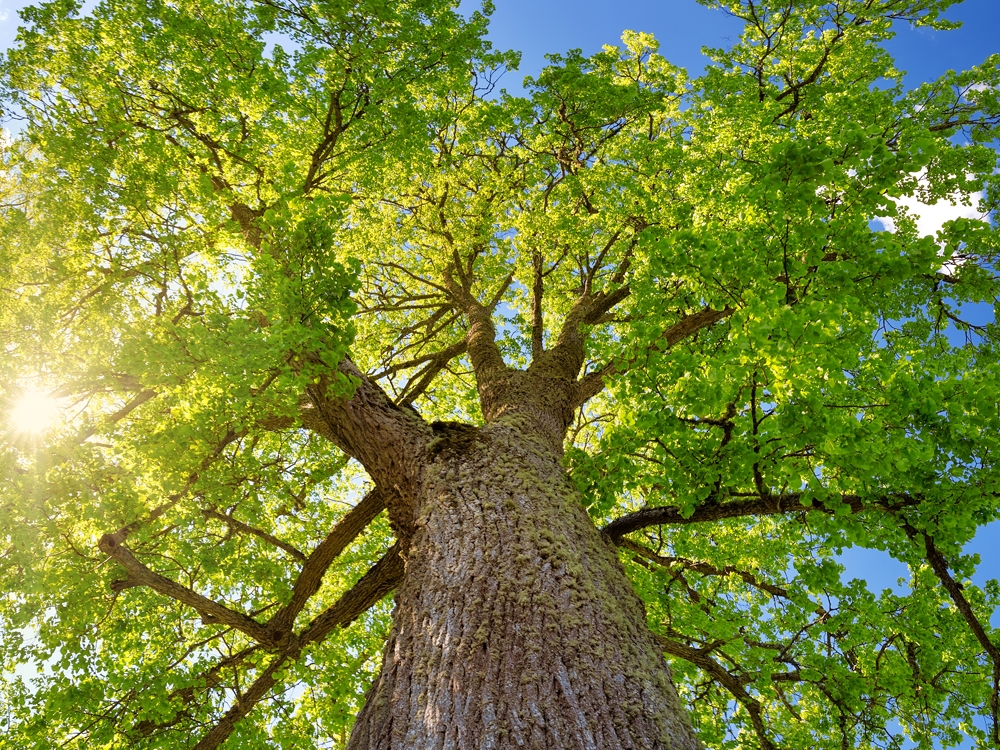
x=34 y=412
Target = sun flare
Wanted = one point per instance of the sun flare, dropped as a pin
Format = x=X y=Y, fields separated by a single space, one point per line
x=34 y=412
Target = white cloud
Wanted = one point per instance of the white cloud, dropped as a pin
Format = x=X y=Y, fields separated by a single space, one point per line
x=931 y=217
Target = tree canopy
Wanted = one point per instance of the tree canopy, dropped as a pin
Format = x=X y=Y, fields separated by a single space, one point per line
x=223 y=220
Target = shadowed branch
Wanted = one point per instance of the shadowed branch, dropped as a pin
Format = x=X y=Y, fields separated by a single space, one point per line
x=310 y=578
x=236 y=525
x=941 y=569
x=381 y=578
x=701 y=659
x=210 y=610
x=767 y=505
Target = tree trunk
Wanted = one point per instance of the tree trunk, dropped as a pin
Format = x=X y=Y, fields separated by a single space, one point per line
x=515 y=625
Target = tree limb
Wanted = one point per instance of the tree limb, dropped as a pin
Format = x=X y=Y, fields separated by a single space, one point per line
x=388 y=440
x=437 y=363
x=211 y=679
x=123 y=533
x=565 y=358
x=310 y=578
x=767 y=505
x=537 y=318
x=481 y=334
x=592 y=384
x=940 y=567
x=704 y=568
x=701 y=659
x=381 y=578
x=244 y=704
x=307 y=583
x=134 y=403
x=253 y=531
x=210 y=610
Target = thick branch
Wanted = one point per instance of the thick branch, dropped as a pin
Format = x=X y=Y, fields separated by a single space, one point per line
x=382 y=578
x=387 y=439
x=211 y=611
x=592 y=384
x=244 y=704
x=768 y=505
x=537 y=318
x=701 y=659
x=481 y=335
x=565 y=358
x=310 y=578
x=940 y=567
x=307 y=583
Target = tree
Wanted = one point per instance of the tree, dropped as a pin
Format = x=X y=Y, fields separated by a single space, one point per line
x=604 y=373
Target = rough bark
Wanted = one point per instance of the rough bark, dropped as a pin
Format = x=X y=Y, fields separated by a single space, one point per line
x=387 y=439
x=515 y=625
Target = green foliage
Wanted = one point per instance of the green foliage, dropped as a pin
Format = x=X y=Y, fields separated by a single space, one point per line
x=213 y=203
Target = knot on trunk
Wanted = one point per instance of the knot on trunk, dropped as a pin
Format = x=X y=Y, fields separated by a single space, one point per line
x=451 y=439
x=109 y=543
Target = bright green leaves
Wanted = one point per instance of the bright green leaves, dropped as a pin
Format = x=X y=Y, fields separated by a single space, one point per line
x=793 y=54
x=214 y=203
x=183 y=96
x=855 y=371
x=298 y=285
x=818 y=659
x=177 y=258
x=610 y=87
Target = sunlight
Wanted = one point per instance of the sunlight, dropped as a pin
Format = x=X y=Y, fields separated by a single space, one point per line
x=34 y=412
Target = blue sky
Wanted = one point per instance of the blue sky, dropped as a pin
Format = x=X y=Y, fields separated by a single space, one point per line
x=537 y=27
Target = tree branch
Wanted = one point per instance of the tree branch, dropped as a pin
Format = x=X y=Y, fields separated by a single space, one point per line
x=437 y=363
x=387 y=439
x=381 y=578
x=704 y=568
x=134 y=403
x=310 y=578
x=940 y=567
x=564 y=360
x=244 y=704
x=123 y=533
x=701 y=659
x=481 y=334
x=259 y=533
x=767 y=505
x=210 y=610
x=590 y=385
x=537 y=319
x=187 y=694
